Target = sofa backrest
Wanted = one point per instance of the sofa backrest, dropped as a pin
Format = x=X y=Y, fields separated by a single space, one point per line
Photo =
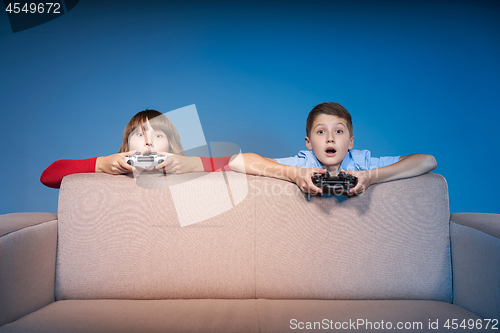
x=120 y=240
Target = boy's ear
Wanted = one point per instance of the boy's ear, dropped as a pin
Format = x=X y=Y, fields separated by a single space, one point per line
x=351 y=143
x=308 y=143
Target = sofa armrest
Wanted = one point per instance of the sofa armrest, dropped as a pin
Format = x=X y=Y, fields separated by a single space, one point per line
x=28 y=243
x=475 y=255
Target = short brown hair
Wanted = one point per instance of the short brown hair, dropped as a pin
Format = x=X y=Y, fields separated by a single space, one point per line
x=159 y=122
x=331 y=108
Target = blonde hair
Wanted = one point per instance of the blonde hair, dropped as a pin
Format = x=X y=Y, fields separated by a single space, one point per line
x=159 y=122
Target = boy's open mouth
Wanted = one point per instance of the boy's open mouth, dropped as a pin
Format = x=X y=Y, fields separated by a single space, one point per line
x=330 y=151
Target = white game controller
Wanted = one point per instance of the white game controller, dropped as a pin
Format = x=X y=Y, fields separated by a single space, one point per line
x=145 y=161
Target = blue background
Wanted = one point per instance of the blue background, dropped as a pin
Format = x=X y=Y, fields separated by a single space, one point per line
x=417 y=77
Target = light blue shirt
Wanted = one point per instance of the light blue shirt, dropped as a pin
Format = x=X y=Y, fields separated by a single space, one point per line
x=354 y=160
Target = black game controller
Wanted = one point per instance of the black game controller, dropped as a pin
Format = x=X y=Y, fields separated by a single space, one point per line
x=334 y=184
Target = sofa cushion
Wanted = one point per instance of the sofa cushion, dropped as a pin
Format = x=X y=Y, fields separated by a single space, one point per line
x=476 y=270
x=149 y=316
x=17 y=221
x=390 y=243
x=357 y=315
x=27 y=264
x=99 y=316
x=120 y=240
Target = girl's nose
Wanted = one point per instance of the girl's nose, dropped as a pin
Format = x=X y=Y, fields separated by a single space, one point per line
x=149 y=142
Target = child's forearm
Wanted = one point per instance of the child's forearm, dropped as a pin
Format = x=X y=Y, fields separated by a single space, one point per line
x=53 y=175
x=254 y=164
x=410 y=166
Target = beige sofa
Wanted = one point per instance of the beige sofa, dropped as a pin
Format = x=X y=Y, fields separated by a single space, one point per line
x=226 y=252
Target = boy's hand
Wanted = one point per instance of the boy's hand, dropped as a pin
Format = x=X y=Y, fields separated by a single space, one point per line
x=302 y=177
x=114 y=164
x=180 y=164
x=364 y=181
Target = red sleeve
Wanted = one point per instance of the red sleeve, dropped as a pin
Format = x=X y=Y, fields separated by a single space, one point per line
x=211 y=164
x=53 y=175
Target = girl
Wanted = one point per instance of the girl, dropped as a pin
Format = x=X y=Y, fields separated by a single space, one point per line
x=148 y=131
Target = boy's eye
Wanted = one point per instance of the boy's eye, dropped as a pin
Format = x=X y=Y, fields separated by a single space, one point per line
x=339 y=131
x=320 y=132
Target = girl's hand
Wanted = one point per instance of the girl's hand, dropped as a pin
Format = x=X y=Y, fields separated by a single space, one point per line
x=365 y=179
x=114 y=164
x=302 y=177
x=180 y=164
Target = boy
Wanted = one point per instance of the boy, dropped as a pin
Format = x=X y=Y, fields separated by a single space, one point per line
x=329 y=142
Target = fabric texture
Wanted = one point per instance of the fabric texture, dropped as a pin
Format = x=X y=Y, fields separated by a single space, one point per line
x=118 y=240
x=17 y=221
x=476 y=270
x=354 y=160
x=27 y=269
x=381 y=257
x=279 y=315
x=390 y=243
x=485 y=222
x=133 y=316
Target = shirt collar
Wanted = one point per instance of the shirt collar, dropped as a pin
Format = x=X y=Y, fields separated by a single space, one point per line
x=348 y=162
x=312 y=157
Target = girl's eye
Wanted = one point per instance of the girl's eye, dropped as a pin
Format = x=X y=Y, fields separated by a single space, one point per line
x=139 y=134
